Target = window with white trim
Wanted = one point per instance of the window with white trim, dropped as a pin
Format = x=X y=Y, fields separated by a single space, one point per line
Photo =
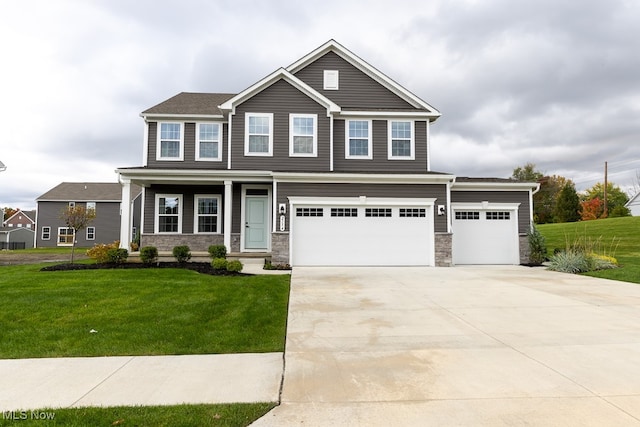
x=208 y=138
x=342 y=212
x=65 y=236
x=358 y=139
x=72 y=205
x=46 y=233
x=168 y=213
x=498 y=215
x=207 y=213
x=413 y=212
x=258 y=139
x=401 y=140
x=468 y=215
x=91 y=206
x=170 y=145
x=377 y=212
x=309 y=212
x=91 y=233
x=303 y=135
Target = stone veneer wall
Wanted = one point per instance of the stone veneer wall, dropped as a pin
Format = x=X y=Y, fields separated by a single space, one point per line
x=196 y=242
x=280 y=248
x=443 y=248
x=235 y=243
x=524 y=249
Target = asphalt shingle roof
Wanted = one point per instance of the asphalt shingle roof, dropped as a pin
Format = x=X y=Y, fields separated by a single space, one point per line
x=191 y=103
x=87 y=191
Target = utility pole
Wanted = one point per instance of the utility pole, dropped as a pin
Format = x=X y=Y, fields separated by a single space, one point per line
x=605 y=212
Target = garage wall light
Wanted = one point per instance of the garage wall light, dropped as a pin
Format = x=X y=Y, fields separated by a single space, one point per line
x=441 y=210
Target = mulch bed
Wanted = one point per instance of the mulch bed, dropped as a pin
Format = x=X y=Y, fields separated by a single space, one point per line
x=200 y=267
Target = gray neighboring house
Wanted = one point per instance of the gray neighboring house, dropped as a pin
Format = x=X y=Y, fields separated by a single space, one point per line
x=104 y=197
x=324 y=162
x=16 y=238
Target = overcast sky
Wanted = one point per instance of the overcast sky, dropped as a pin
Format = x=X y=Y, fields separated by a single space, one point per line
x=553 y=82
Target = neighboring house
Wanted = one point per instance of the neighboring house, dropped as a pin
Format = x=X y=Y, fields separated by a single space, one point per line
x=20 y=219
x=16 y=238
x=104 y=197
x=634 y=205
x=325 y=162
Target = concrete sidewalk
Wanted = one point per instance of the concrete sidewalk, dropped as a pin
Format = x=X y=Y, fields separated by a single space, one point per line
x=139 y=380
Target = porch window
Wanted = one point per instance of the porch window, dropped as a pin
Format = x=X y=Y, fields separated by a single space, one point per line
x=169 y=213
x=208 y=141
x=65 y=236
x=358 y=141
x=207 y=214
x=258 y=134
x=169 y=141
x=401 y=140
x=303 y=140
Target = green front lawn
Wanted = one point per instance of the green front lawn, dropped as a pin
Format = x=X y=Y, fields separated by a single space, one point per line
x=138 y=312
x=617 y=237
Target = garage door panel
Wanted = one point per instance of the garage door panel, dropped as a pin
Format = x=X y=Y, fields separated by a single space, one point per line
x=491 y=237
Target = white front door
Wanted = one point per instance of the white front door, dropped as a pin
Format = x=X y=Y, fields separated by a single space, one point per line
x=256 y=229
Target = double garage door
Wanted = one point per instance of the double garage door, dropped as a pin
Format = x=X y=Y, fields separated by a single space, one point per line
x=485 y=236
x=362 y=232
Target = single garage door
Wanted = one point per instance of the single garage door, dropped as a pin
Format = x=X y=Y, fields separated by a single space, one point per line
x=370 y=235
x=485 y=236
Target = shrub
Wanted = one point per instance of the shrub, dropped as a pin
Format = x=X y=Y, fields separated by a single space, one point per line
x=218 y=251
x=570 y=262
x=537 y=246
x=234 y=266
x=219 y=264
x=602 y=262
x=99 y=251
x=117 y=255
x=149 y=254
x=182 y=253
x=269 y=266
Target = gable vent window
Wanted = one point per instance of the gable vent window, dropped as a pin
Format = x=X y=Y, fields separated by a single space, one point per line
x=499 y=216
x=352 y=212
x=331 y=79
x=309 y=212
x=467 y=215
x=377 y=212
x=412 y=213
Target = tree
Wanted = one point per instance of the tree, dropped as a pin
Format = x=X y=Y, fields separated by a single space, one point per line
x=567 y=207
x=616 y=198
x=591 y=209
x=544 y=201
x=527 y=173
x=77 y=218
x=8 y=212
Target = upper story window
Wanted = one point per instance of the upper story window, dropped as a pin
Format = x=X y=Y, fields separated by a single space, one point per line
x=331 y=80
x=358 y=139
x=401 y=140
x=168 y=213
x=170 y=145
x=303 y=135
x=91 y=206
x=258 y=139
x=208 y=139
x=207 y=214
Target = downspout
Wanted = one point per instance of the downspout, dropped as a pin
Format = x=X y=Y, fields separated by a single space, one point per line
x=531 y=193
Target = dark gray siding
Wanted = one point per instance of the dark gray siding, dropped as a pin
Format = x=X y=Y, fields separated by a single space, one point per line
x=521 y=197
x=380 y=161
x=437 y=191
x=106 y=223
x=356 y=89
x=281 y=99
x=187 y=193
x=189 y=161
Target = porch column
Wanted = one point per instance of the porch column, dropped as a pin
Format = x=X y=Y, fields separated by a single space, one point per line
x=125 y=214
x=228 y=202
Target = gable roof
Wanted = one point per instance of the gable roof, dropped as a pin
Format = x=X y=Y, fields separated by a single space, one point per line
x=279 y=74
x=29 y=214
x=86 y=192
x=190 y=104
x=359 y=63
x=635 y=200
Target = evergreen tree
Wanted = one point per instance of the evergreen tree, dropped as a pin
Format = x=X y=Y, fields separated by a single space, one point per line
x=567 y=208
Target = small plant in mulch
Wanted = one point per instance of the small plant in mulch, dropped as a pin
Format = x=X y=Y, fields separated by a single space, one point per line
x=200 y=267
x=269 y=266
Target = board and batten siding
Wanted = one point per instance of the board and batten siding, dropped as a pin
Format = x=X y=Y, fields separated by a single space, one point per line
x=281 y=99
x=521 y=197
x=356 y=90
x=416 y=191
x=380 y=143
x=189 y=154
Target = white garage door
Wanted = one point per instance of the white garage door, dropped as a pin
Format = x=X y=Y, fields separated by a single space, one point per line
x=371 y=235
x=485 y=236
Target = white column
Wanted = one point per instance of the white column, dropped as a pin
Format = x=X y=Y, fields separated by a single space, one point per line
x=125 y=214
x=228 y=202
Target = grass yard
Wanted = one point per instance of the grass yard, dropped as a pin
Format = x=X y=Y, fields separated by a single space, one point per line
x=138 y=312
x=617 y=237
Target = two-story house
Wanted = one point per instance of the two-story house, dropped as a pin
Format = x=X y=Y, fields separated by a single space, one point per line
x=102 y=197
x=324 y=162
x=21 y=219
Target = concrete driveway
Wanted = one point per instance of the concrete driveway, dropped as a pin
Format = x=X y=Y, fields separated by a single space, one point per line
x=459 y=346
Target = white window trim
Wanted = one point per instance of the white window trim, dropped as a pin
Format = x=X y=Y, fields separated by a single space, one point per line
x=94 y=206
x=94 y=233
x=328 y=77
x=209 y=159
x=218 y=197
x=48 y=232
x=159 y=143
x=390 y=155
x=156 y=216
x=369 y=141
x=292 y=117
x=73 y=237
x=269 y=153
